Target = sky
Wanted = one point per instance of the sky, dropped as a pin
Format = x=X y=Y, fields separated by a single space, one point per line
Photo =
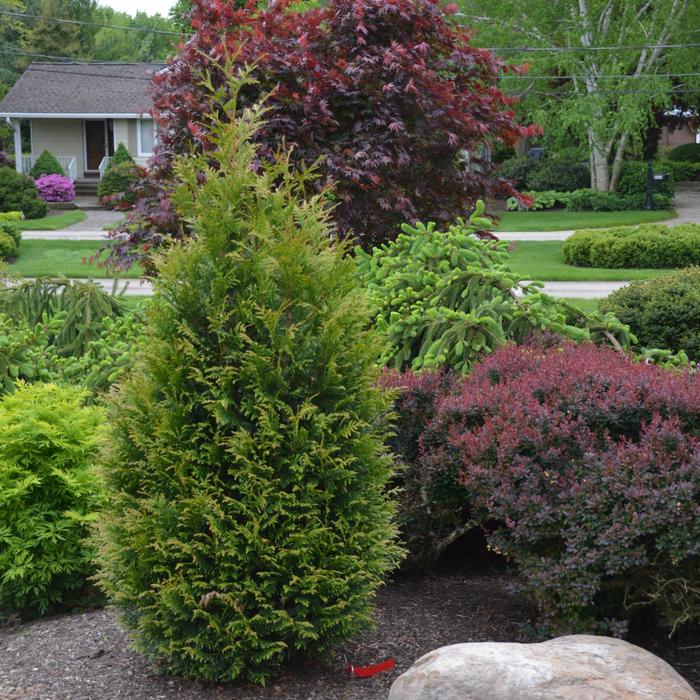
x=131 y=6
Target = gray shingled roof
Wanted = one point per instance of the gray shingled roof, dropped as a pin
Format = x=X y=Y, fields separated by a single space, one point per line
x=80 y=88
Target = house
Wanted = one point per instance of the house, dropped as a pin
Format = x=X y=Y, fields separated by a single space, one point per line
x=80 y=112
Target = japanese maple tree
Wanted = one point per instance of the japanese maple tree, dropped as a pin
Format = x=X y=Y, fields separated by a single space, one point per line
x=388 y=96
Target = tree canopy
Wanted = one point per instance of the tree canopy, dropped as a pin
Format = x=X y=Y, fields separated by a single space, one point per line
x=600 y=70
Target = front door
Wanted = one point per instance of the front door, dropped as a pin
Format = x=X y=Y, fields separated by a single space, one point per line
x=95 y=143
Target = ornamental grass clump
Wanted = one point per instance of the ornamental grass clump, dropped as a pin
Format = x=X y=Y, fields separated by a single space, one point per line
x=248 y=520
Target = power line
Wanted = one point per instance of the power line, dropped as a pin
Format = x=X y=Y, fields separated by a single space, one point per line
x=68 y=59
x=505 y=76
x=565 y=49
x=516 y=49
x=83 y=23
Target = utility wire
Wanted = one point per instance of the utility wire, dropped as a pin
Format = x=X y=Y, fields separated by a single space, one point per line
x=505 y=76
x=517 y=49
x=68 y=59
x=83 y=23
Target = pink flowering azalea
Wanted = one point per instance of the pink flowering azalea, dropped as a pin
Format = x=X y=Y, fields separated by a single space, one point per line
x=55 y=188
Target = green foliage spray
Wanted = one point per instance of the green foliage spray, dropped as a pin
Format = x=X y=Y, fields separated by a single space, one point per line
x=248 y=519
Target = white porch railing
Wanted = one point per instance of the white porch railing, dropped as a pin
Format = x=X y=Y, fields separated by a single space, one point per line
x=68 y=163
x=104 y=164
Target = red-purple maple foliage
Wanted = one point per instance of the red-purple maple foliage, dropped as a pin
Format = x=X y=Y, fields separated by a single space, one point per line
x=387 y=94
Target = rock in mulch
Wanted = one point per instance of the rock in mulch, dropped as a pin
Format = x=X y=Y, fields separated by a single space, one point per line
x=575 y=667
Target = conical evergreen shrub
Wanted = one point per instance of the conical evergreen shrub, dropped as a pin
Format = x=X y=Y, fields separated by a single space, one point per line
x=46 y=164
x=121 y=155
x=248 y=519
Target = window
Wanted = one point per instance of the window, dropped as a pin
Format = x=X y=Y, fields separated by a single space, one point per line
x=146 y=137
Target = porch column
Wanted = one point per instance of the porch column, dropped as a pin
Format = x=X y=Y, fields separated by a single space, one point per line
x=14 y=123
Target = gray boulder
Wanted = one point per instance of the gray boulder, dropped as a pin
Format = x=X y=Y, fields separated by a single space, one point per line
x=578 y=667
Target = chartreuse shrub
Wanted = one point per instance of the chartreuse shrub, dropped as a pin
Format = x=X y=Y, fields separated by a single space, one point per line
x=248 y=520
x=46 y=164
x=19 y=193
x=663 y=312
x=446 y=298
x=648 y=245
x=49 y=497
x=583 y=469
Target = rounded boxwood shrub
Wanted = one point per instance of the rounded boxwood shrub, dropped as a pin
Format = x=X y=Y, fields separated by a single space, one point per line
x=19 y=193
x=117 y=181
x=663 y=312
x=563 y=176
x=583 y=469
x=648 y=245
x=248 y=519
x=687 y=152
x=633 y=180
x=55 y=188
x=46 y=164
x=49 y=497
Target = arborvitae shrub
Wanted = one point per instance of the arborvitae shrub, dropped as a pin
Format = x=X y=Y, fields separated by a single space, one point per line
x=121 y=155
x=46 y=164
x=49 y=497
x=19 y=193
x=248 y=519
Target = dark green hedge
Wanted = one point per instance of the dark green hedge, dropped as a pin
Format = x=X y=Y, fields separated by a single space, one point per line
x=663 y=312
x=19 y=193
x=687 y=152
x=649 y=245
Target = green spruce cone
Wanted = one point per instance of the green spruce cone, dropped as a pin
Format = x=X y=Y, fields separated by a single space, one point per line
x=248 y=520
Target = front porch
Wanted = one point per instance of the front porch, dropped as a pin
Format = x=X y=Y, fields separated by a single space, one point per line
x=83 y=147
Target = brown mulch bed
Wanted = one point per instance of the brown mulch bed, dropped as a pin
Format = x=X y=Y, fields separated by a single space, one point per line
x=86 y=655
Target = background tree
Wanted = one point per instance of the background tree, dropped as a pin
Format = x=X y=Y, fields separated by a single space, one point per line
x=603 y=98
x=389 y=97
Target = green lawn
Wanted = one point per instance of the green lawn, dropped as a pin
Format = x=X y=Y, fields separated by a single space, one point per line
x=54 y=221
x=56 y=258
x=135 y=300
x=544 y=260
x=560 y=220
x=586 y=305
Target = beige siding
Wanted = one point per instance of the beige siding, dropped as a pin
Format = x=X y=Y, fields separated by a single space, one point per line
x=63 y=137
x=121 y=133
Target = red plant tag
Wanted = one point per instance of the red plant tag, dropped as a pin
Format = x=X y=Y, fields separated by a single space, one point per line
x=367 y=671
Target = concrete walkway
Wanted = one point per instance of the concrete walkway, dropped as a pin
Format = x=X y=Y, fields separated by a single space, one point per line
x=580 y=290
x=134 y=287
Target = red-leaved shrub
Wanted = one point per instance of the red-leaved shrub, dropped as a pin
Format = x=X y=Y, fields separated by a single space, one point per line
x=386 y=96
x=583 y=468
x=431 y=512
